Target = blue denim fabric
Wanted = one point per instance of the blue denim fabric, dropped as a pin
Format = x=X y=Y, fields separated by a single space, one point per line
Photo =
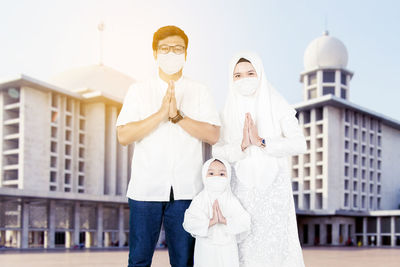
x=144 y=229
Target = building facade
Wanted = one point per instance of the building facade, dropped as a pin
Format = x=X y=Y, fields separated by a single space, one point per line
x=346 y=187
x=63 y=173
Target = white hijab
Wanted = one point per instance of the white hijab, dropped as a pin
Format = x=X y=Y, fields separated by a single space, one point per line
x=267 y=107
x=225 y=196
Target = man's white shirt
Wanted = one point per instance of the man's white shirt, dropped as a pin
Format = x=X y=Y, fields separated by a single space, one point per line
x=168 y=156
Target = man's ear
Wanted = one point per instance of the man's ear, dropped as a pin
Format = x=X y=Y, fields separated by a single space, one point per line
x=155 y=54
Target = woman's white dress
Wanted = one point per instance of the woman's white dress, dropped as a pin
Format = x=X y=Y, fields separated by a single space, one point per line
x=273 y=239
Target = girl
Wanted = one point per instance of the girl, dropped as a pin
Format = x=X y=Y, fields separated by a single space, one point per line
x=216 y=219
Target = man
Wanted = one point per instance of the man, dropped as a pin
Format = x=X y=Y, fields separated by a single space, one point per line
x=167 y=118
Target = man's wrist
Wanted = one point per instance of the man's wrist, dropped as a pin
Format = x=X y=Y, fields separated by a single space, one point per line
x=176 y=118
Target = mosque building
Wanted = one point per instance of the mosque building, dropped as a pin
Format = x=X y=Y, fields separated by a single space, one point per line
x=64 y=175
x=346 y=187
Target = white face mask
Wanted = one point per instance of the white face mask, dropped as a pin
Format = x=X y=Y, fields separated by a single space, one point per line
x=171 y=63
x=246 y=86
x=216 y=184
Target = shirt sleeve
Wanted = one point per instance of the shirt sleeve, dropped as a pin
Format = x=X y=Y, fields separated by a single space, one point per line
x=293 y=141
x=130 y=107
x=208 y=111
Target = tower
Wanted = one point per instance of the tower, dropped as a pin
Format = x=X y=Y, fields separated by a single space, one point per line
x=325 y=62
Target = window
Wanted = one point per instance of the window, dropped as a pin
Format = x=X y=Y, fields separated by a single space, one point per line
x=346 y=144
x=343 y=93
x=354 y=173
x=346 y=131
x=347 y=115
x=355 y=133
x=312 y=93
x=328 y=76
x=306 y=116
x=343 y=78
x=319 y=114
x=355 y=118
x=355 y=159
x=295 y=186
x=312 y=78
x=355 y=204
x=346 y=157
x=346 y=184
x=326 y=90
x=346 y=171
x=346 y=199
x=363 y=174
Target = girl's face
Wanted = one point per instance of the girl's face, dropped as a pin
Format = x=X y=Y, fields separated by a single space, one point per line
x=244 y=70
x=216 y=168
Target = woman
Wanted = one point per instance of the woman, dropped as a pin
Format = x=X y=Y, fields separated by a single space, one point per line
x=259 y=132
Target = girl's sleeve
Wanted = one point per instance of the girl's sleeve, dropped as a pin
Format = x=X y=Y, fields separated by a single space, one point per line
x=196 y=221
x=292 y=143
x=239 y=219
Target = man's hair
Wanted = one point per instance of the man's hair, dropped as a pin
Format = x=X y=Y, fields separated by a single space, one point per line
x=167 y=31
x=242 y=59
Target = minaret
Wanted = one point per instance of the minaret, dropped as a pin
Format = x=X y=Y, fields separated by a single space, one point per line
x=325 y=62
x=101 y=27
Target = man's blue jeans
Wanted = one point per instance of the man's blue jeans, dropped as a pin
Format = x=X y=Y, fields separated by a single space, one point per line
x=144 y=229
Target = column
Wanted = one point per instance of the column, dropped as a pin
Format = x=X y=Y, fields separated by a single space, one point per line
x=392 y=231
x=365 y=240
x=24 y=225
x=121 y=229
x=100 y=225
x=335 y=233
x=77 y=207
x=67 y=239
x=378 y=231
x=51 y=224
x=88 y=239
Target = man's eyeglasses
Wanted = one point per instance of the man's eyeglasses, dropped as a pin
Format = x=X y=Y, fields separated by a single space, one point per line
x=177 y=49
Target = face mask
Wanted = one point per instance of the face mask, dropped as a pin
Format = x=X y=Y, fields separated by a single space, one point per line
x=171 y=63
x=246 y=86
x=216 y=184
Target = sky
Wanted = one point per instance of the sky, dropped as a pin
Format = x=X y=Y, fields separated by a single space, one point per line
x=43 y=38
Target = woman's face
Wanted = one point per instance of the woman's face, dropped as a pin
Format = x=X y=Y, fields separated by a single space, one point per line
x=216 y=168
x=244 y=70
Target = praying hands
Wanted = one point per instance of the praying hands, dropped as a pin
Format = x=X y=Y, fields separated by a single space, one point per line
x=218 y=217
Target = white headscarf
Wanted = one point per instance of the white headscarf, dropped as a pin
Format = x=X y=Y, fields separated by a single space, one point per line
x=267 y=107
x=224 y=197
x=200 y=211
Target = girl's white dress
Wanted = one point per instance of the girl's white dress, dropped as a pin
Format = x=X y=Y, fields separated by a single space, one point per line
x=216 y=246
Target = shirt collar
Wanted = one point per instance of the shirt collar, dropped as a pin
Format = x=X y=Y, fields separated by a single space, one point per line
x=164 y=83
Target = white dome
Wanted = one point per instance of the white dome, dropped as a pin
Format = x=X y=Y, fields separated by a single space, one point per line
x=325 y=51
x=95 y=77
